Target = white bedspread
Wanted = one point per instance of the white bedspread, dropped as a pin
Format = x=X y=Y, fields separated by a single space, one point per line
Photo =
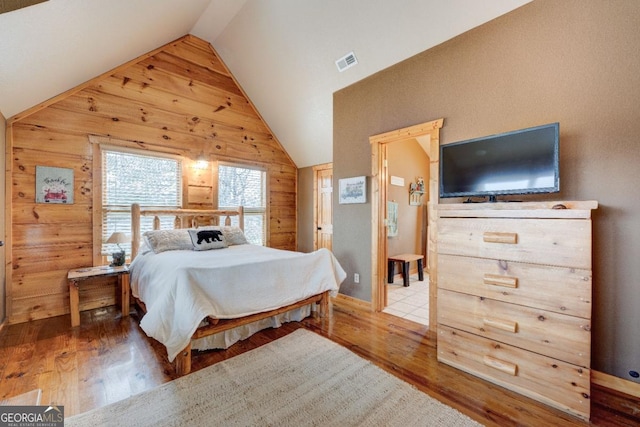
x=180 y=288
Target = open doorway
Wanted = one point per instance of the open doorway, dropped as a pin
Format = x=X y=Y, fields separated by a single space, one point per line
x=408 y=166
x=430 y=134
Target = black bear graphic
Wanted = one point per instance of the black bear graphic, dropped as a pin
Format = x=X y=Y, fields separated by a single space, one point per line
x=209 y=236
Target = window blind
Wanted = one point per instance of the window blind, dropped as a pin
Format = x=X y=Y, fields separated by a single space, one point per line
x=127 y=178
x=244 y=186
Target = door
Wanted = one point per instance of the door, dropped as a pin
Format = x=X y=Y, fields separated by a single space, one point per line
x=3 y=142
x=323 y=212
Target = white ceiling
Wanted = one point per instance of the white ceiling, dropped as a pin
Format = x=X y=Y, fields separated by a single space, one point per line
x=282 y=52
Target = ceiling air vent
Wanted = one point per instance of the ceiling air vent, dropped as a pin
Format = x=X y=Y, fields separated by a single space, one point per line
x=347 y=61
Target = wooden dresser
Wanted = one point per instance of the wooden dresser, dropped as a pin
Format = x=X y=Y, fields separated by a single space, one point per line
x=514 y=297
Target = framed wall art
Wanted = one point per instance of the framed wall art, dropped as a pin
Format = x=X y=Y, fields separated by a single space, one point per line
x=392 y=220
x=54 y=185
x=352 y=190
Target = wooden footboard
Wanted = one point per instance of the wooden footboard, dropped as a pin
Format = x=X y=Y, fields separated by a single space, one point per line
x=183 y=359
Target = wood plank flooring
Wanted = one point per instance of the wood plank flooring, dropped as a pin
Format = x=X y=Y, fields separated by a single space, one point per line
x=109 y=358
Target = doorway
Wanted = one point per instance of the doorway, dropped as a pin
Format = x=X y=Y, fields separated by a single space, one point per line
x=407 y=195
x=322 y=206
x=380 y=177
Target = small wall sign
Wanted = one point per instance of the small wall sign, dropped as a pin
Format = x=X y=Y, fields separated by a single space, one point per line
x=54 y=185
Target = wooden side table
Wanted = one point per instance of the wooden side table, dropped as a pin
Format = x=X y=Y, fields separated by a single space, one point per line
x=76 y=276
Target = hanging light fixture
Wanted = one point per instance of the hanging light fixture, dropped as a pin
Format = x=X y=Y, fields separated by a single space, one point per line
x=201 y=161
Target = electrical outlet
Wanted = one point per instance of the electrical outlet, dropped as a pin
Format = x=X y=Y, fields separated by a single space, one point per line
x=356 y=278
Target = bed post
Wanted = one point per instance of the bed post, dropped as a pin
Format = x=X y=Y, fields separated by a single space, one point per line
x=324 y=304
x=135 y=229
x=183 y=361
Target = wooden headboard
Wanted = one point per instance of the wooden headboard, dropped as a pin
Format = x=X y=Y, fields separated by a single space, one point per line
x=184 y=218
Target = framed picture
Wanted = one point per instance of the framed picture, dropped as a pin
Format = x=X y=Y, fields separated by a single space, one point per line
x=392 y=220
x=352 y=190
x=54 y=185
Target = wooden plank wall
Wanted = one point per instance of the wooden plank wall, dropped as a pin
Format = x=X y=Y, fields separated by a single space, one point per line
x=179 y=98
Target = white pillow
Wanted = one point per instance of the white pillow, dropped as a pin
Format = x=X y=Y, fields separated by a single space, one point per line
x=204 y=239
x=168 y=240
x=234 y=235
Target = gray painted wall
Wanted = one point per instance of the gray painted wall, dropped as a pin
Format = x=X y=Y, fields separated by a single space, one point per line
x=574 y=62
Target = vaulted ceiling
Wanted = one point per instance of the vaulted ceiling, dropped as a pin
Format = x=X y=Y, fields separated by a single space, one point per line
x=282 y=52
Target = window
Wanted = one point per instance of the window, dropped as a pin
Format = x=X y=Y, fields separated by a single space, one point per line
x=245 y=186
x=130 y=177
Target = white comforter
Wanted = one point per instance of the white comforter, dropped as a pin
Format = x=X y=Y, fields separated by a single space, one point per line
x=180 y=288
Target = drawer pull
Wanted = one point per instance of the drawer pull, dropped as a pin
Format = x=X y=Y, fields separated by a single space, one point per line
x=506 y=281
x=495 y=237
x=506 y=367
x=505 y=325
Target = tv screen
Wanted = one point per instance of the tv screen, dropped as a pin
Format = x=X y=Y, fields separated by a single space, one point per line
x=518 y=162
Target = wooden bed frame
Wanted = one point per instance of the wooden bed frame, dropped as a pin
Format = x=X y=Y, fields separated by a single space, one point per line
x=185 y=218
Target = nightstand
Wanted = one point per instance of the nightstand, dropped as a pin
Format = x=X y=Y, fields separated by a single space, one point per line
x=77 y=276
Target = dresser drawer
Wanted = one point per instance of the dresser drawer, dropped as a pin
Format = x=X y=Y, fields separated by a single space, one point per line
x=561 y=242
x=555 y=335
x=558 y=289
x=548 y=380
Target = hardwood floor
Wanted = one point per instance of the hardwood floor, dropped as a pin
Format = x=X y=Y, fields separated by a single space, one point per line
x=109 y=358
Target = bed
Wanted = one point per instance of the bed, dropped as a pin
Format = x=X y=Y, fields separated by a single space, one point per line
x=212 y=289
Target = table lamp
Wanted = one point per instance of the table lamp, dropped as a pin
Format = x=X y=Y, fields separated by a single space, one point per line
x=117 y=238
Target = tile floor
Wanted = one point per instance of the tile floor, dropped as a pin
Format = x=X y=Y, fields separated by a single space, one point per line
x=411 y=302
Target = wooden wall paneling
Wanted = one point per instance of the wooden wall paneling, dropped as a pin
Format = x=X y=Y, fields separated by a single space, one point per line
x=197 y=55
x=191 y=72
x=36 y=138
x=40 y=307
x=200 y=195
x=161 y=72
x=201 y=177
x=20 y=116
x=154 y=139
x=37 y=284
x=124 y=86
x=192 y=105
x=8 y=237
x=31 y=259
x=285 y=241
x=31 y=213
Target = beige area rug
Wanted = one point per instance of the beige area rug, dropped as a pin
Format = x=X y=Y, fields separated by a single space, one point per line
x=301 y=379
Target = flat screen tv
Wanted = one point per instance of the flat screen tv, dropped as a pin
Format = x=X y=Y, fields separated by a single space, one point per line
x=519 y=162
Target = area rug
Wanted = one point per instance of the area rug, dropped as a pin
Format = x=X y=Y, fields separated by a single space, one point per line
x=301 y=379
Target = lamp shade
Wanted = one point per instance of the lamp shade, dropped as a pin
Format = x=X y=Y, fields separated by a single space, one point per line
x=118 y=237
